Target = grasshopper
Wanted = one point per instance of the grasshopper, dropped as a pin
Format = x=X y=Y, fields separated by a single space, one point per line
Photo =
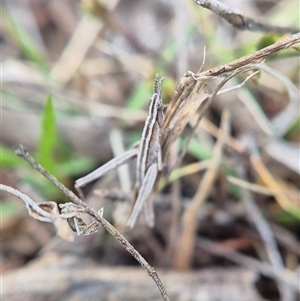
x=149 y=160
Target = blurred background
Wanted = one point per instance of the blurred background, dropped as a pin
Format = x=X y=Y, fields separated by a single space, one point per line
x=77 y=77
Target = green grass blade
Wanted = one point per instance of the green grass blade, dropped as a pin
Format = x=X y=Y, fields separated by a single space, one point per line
x=48 y=136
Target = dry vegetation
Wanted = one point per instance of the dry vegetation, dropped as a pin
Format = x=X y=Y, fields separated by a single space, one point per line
x=226 y=203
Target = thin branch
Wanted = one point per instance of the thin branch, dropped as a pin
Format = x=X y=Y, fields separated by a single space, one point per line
x=240 y=21
x=47 y=217
x=278 y=125
x=22 y=152
x=44 y=211
x=239 y=85
x=255 y=56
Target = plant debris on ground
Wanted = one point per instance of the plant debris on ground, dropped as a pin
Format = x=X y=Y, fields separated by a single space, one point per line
x=76 y=82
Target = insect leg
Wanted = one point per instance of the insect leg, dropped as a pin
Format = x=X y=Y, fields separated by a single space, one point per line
x=110 y=165
x=144 y=193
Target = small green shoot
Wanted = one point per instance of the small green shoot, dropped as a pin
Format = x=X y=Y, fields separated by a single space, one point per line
x=52 y=153
x=48 y=137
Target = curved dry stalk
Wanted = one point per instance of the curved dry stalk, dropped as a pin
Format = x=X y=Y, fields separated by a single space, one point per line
x=44 y=211
x=282 y=122
x=250 y=58
x=44 y=216
x=81 y=207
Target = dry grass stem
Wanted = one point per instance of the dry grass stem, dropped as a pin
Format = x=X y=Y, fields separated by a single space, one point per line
x=187 y=238
x=78 y=207
x=77 y=48
x=98 y=64
x=138 y=63
x=283 y=121
x=223 y=91
x=44 y=211
x=261 y=189
x=245 y=60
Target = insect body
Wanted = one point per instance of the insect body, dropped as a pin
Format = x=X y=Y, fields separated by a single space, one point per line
x=149 y=156
x=149 y=160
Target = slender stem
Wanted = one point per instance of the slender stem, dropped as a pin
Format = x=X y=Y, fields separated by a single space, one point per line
x=250 y=58
x=22 y=152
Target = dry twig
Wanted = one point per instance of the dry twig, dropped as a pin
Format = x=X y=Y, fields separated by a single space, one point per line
x=78 y=207
x=44 y=211
x=245 y=60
